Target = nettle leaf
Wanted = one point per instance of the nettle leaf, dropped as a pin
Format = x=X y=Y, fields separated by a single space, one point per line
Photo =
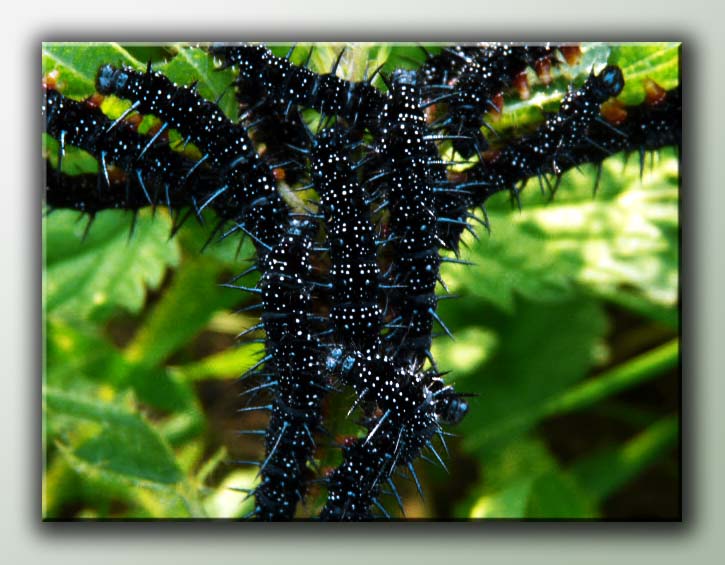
x=625 y=237
x=523 y=480
x=74 y=66
x=363 y=59
x=552 y=495
x=92 y=278
x=509 y=502
x=584 y=394
x=79 y=358
x=185 y=309
x=161 y=389
x=119 y=441
x=556 y=495
x=473 y=346
x=227 y=501
x=512 y=462
x=76 y=161
x=193 y=65
x=224 y=365
x=659 y=62
x=542 y=349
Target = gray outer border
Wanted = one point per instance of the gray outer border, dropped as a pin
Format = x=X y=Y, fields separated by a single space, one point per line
x=695 y=23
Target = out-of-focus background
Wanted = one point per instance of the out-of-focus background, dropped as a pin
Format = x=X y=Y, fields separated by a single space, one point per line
x=566 y=330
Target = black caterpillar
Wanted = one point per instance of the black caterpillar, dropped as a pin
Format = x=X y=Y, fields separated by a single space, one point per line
x=293 y=371
x=480 y=75
x=553 y=148
x=248 y=194
x=154 y=174
x=648 y=126
x=279 y=136
x=265 y=77
x=409 y=419
x=355 y=316
x=387 y=204
x=413 y=271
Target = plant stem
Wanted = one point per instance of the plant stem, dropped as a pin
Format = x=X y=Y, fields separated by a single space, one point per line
x=603 y=473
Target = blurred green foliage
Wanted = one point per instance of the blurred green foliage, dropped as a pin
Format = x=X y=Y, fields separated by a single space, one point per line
x=566 y=330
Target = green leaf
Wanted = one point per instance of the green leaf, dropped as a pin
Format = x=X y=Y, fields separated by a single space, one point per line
x=154 y=52
x=368 y=58
x=473 y=346
x=193 y=65
x=78 y=358
x=225 y=365
x=501 y=270
x=542 y=349
x=92 y=278
x=183 y=427
x=121 y=442
x=556 y=495
x=626 y=237
x=659 y=62
x=604 y=472
x=640 y=305
x=76 y=64
x=75 y=162
x=523 y=480
x=162 y=389
x=226 y=502
x=184 y=310
x=635 y=371
x=518 y=459
x=510 y=502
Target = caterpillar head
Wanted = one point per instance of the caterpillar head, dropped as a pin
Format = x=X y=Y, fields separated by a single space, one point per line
x=609 y=82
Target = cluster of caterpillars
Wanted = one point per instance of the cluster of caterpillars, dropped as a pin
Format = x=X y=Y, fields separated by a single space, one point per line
x=347 y=287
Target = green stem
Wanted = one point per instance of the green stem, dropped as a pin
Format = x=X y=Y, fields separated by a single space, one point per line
x=603 y=473
x=636 y=371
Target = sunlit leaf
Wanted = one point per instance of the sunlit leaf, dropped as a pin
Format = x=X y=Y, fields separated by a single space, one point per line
x=186 y=307
x=109 y=269
x=659 y=62
x=625 y=237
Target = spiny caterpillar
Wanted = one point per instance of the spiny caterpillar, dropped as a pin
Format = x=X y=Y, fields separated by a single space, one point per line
x=413 y=271
x=355 y=315
x=247 y=188
x=347 y=276
x=265 y=78
x=292 y=371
